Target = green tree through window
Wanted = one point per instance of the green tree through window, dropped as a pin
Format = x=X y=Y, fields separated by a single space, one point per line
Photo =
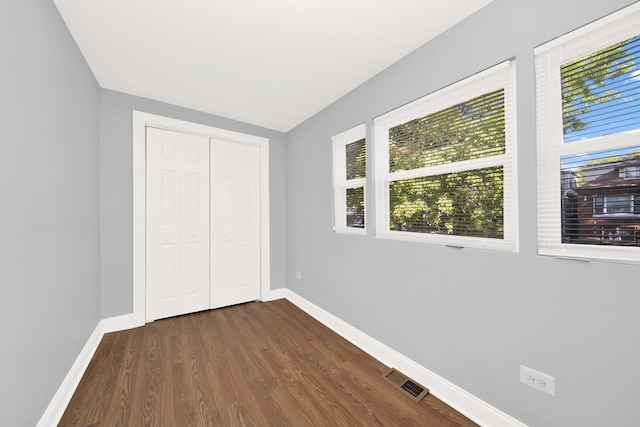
x=468 y=203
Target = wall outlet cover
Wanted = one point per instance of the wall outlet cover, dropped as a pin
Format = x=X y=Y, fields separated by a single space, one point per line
x=538 y=380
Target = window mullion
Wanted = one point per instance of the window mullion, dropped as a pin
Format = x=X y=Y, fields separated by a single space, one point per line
x=466 y=165
x=602 y=143
x=354 y=183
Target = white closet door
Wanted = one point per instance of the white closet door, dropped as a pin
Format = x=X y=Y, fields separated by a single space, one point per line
x=177 y=231
x=235 y=223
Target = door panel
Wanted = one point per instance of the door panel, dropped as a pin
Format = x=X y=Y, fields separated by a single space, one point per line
x=235 y=223
x=168 y=282
x=177 y=260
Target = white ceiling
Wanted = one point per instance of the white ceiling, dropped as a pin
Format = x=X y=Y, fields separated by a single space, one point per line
x=269 y=63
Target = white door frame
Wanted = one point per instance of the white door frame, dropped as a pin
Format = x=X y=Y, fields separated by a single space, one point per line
x=140 y=122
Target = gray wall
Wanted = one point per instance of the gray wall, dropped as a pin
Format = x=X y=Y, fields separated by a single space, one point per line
x=49 y=273
x=116 y=221
x=472 y=316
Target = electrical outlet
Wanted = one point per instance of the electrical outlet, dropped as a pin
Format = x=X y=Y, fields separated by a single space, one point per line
x=298 y=275
x=538 y=380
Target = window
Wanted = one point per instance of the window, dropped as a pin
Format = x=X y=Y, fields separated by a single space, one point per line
x=445 y=165
x=630 y=172
x=613 y=205
x=349 y=176
x=588 y=112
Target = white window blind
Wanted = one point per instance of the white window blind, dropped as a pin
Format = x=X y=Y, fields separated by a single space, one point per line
x=445 y=165
x=588 y=136
x=349 y=180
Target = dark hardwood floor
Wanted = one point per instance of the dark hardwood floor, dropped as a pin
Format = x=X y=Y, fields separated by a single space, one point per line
x=256 y=364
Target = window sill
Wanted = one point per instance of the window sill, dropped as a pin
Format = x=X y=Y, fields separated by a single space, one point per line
x=612 y=254
x=451 y=241
x=351 y=230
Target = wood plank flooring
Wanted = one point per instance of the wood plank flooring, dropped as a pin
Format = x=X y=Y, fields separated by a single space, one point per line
x=256 y=364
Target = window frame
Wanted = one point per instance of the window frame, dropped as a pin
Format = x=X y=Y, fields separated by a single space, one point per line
x=606 y=203
x=549 y=57
x=630 y=172
x=340 y=182
x=500 y=76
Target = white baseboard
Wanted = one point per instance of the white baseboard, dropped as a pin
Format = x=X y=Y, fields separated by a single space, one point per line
x=275 y=294
x=462 y=401
x=121 y=323
x=467 y=404
x=61 y=399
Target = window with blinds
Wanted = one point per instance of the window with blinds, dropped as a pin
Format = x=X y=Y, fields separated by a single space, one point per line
x=600 y=92
x=445 y=165
x=349 y=180
x=588 y=112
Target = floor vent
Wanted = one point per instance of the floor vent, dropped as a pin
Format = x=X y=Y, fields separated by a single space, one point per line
x=405 y=384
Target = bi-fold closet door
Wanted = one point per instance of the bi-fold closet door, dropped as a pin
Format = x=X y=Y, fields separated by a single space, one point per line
x=235 y=223
x=202 y=223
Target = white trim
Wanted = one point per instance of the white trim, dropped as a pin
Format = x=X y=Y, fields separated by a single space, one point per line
x=60 y=401
x=623 y=28
x=500 y=76
x=276 y=294
x=351 y=230
x=467 y=404
x=551 y=147
x=340 y=182
x=477 y=84
x=119 y=323
x=140 y=122
x=354 y=134
x=462 y=401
